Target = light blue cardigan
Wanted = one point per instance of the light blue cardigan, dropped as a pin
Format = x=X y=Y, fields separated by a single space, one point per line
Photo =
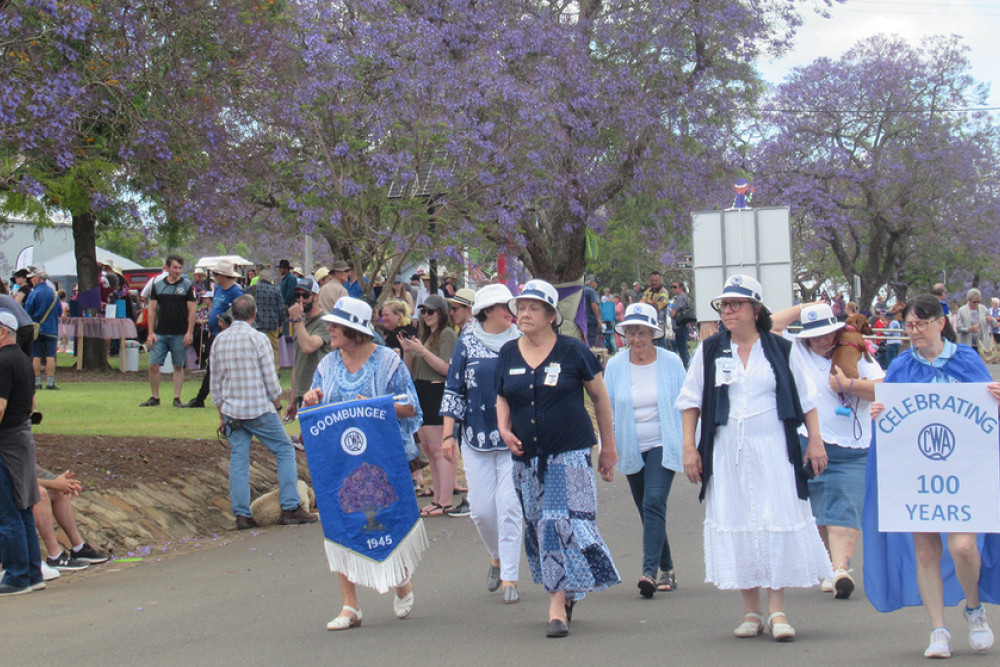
x=669 y=379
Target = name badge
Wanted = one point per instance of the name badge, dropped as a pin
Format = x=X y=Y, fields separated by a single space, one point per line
x=517 y=371
x=725 y=371
x=552 y=374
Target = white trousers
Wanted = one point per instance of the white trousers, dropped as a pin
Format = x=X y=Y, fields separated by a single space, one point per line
x=495 y=508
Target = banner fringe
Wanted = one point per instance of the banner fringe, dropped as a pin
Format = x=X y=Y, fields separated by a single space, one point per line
x=391 y=572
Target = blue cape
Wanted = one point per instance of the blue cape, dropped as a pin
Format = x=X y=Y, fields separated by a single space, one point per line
x=889 y=563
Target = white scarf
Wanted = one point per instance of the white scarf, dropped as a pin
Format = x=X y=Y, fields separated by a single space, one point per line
x=494 y=342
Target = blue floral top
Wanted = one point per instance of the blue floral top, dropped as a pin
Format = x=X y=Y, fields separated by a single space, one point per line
x=470 y=395
x=383 y=373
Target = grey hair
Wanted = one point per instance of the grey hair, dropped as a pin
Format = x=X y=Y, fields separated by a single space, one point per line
x=266 y=275
x=974 y=294
x=244 y=308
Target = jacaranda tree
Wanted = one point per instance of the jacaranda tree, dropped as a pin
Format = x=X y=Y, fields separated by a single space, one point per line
x=884 y=164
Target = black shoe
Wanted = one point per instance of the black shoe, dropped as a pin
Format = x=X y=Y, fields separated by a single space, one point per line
x=246 y=523
x=65 y=562
x=556 y=628
x=88 y=554
x=151 y=403
x=193 y=403
x=462 y=509
x=297 y=516
x=51 y=386
x=177 y=403
x=6 y=590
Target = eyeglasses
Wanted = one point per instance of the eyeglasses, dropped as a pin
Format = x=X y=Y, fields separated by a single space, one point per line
x=734 y=306
x=919 y=325
x=638 y=332
x=675 y=286
x=302 y=296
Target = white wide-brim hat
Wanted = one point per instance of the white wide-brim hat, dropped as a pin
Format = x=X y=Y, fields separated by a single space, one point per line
x=225 y=267
x=351 y=313
x=642 y=314
x=489 y=296
x=818 y=320
x=538 y=290
x=740 y=286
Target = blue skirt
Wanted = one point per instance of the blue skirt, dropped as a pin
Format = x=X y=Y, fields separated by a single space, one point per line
x=838 y=495
x=564 y=548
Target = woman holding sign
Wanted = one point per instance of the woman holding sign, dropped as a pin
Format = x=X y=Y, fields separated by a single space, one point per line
x=933 y=357
x=540 y=380
x=837 y=495
x=748 y=386
x=357 y=368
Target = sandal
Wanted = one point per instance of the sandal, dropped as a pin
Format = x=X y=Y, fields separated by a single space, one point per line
x=752 y=626
x=667 y=582
x=425 y=492
x=647 y=586
x=434 y=509
x=782 y=632
x=346 y=622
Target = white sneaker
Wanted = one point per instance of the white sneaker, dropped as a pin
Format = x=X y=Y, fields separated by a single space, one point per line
x=49 y=573
x=826 y=585
x=980 y=635
x=940 y=646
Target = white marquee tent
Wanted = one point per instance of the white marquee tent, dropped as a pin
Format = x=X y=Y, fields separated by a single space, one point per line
x=65 y=264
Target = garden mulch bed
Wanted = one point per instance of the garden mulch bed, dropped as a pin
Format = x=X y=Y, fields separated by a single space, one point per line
x=104 y=463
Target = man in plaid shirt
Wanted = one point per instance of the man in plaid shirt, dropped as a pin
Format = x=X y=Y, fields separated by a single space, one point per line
x=271 y=310
x=245 y=389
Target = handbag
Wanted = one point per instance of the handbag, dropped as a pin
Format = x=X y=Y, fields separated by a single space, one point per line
x=686 y=316
x=38 y=325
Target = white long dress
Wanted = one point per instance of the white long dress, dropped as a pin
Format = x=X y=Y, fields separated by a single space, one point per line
x=758 y=532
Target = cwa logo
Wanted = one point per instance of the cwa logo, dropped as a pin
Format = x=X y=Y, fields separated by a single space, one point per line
x=354 y=441
x=936 y=442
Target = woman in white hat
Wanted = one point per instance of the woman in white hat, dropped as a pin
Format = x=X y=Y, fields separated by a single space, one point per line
x=540 y=380
x=748 y=386
x=838 y=494
x=357 y=367
x=643 y=384
x=470 y=400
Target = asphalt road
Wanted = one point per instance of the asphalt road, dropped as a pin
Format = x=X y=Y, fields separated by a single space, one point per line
x=264 y=599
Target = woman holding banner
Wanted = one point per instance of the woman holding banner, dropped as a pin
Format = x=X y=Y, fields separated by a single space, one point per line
x=751 y=392
x=837 y=495
x=357 y=368
x=470 y=400
x=540 y=380
x=891 y=581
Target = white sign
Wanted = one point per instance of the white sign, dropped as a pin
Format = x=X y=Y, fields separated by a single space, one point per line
x=938 y=459
x=753 y=241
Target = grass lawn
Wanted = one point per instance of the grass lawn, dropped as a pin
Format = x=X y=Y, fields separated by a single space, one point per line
x=112 y=408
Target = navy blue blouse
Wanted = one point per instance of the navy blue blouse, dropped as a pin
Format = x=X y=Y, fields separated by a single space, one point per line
x=546 y=403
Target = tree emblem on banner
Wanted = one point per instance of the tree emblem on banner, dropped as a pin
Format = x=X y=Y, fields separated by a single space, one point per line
x=367 y=490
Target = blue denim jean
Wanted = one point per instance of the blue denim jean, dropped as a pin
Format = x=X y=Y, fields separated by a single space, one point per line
x=681 y=344
x=19 y=550
x=271 y=433
x=650 y=488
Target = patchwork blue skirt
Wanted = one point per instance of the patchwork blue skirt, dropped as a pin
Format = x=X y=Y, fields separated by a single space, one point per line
x=564 y=548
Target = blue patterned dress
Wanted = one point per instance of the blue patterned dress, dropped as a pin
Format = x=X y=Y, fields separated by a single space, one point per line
x=383 y=373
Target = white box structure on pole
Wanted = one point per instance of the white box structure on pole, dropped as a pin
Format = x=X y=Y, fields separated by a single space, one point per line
x=752 y=241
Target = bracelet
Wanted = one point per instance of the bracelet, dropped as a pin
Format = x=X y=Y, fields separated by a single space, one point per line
x=296 y=320
x=446 y=437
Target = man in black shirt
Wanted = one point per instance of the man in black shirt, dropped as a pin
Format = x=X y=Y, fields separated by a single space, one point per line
x=171 y=326
x=19 y=550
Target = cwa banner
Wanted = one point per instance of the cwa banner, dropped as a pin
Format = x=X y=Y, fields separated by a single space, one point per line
x=364 y=492
x=938 y=459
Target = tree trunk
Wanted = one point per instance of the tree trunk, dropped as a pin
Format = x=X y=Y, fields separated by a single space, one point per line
x=95 y=354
